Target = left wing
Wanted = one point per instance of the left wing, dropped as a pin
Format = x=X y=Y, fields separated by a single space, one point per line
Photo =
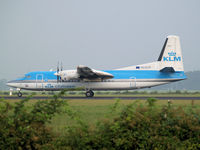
x=88 y=73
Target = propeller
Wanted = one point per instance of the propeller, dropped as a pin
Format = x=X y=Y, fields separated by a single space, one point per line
x=59 y=69
x=57 y=72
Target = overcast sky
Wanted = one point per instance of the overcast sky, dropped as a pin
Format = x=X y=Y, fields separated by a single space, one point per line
x=101 y=34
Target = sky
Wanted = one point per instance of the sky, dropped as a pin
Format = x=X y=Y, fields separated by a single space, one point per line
x=101 y=34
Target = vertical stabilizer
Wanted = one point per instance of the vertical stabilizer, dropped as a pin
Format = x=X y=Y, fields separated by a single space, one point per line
x=171 y=55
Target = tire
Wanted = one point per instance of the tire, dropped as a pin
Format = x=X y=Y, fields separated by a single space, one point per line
x=92 y=93
x=89 y=93
x=19 y=94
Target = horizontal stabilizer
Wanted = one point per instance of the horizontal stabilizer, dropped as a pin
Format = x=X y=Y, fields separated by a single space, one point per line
x=168 y=69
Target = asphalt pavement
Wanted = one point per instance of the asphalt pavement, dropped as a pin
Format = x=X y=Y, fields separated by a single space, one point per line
x=104 y=97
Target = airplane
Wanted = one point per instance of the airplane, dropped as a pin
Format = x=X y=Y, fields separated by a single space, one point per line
x=168 y=68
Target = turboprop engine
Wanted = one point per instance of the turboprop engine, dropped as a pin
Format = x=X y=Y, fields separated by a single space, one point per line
x=68 y=75
x=83 y=73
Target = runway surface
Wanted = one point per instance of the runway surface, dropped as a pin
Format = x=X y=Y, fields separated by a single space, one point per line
x=105 y=98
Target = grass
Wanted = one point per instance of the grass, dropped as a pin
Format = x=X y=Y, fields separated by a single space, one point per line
x=93 y=111
x=151 y=123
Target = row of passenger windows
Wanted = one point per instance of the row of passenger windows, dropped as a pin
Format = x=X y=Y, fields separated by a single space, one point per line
x=73 y=80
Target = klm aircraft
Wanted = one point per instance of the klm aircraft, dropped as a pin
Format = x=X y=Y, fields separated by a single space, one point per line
x=168 y=68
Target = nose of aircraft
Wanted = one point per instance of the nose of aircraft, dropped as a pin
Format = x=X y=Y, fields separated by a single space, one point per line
x=11 y=83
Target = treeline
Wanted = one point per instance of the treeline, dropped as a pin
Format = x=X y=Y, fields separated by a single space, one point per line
x=137 y=126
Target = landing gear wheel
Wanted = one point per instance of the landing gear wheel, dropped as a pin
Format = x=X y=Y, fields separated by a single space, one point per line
x=19 y=94
x=89 y=93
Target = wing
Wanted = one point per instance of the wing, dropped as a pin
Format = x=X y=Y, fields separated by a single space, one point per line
x=88 y=73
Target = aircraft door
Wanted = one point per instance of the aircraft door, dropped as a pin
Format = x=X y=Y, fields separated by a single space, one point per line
x=133 y=82
x=39 y=81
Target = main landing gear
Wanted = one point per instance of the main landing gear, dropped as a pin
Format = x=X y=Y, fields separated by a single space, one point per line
x=89 y=93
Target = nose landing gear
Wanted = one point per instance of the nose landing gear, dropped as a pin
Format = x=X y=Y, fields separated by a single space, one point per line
x=19 y=94
x=89 y=93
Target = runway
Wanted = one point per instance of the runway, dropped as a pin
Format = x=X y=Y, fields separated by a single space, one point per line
x=105 y=97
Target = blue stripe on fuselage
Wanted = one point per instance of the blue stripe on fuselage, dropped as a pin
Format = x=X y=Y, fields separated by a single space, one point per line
x=145 y=74
x=118 y=74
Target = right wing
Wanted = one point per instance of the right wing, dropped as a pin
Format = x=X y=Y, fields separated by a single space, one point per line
x=83 y=73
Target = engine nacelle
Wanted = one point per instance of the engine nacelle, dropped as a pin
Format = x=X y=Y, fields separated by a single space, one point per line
x=68 y=75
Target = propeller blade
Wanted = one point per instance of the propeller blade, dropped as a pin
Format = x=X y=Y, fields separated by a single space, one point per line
x=58 y=67
x=57 y=72
x=61 y=68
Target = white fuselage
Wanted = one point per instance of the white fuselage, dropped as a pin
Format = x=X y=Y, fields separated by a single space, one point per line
x=112 y=84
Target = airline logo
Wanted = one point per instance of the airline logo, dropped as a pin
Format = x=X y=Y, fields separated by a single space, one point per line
x=49 y=86
x=172 y=57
